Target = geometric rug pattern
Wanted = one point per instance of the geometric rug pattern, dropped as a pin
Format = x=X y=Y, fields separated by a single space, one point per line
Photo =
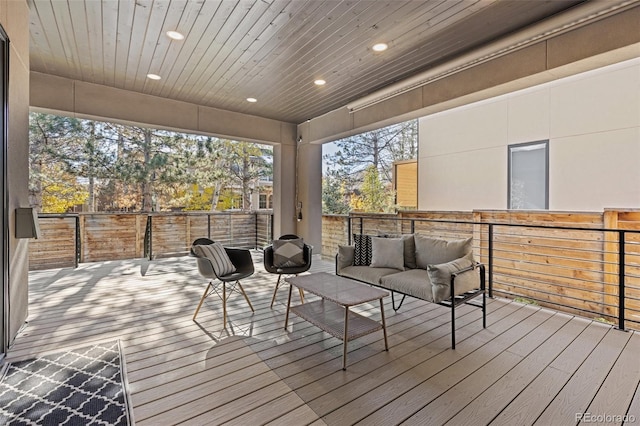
x=85 y=386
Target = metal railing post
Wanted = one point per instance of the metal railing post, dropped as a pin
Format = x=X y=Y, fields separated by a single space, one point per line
x=255 y=223
x=490 y=260
x=78 y=242
x=349 y=230
x=150 y=234
x=209 y=225
x=270 y=231
x=621 y=276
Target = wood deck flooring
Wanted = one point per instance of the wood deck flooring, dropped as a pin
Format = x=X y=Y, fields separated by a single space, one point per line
x=530 y=366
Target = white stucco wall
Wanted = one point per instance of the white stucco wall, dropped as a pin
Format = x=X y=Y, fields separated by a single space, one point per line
x=592 y=121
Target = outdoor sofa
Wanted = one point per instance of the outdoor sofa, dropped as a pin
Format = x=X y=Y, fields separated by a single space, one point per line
x=416 y=265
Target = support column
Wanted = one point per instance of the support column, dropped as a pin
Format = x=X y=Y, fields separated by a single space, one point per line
x=309 y=181
x=284 y=190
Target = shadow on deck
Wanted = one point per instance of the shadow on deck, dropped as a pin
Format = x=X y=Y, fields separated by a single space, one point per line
x=531 y=365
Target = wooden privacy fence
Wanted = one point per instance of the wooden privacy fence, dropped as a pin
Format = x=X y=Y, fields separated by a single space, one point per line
x=67 y=240
x=582 y=263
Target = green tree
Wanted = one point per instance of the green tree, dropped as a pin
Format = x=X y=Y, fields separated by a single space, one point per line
x=334 y=196
x=207 y=158
x=46 y=134
x=150 y=159
x=355 y=156
x=378 y=148
x=133 y=168
x=375 y=196
x=219 y=165
x=247 y=163
x=88 y=153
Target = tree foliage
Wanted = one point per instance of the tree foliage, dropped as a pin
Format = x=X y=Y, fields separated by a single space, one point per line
x=379 y=148
x=335 y=199
x=60 y=190
x=46 y=134
x=361 y=168
x=374 y=196
x=151 y=160
x=129 y=168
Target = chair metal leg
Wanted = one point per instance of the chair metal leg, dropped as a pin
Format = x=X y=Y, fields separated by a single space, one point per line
x=204 y=296
x=273 y=299
x=224 y=304
x=245 y=295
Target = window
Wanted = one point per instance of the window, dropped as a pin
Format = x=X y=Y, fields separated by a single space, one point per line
x=529 y=176
x=263 y=201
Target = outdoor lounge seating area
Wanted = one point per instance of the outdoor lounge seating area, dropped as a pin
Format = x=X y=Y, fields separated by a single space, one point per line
x=529 y=365
x=524 y=138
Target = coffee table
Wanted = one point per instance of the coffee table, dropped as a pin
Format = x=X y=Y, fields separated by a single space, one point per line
x=331 y=313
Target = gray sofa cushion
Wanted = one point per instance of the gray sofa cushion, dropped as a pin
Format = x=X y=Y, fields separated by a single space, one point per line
x=440 y=276
x=414 y=282
x=409 y=248
x=367 y=273
x=387 y=253
x=345 y=257
x=433 y=251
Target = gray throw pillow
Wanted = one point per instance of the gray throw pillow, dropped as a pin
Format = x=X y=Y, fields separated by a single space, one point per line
x=409 y=248
x=440 y=276
x=433 y=251
x=288 y=253
x=387 y=253
x=218 y=256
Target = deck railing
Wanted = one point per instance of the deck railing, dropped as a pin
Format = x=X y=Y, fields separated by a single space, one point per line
x=569 y=262
x=582 y=263
x=69 y=239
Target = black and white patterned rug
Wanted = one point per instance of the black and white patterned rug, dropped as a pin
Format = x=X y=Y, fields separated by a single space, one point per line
x=85 y=386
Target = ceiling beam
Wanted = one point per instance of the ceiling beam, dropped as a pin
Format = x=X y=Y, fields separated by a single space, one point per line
x=74 y=98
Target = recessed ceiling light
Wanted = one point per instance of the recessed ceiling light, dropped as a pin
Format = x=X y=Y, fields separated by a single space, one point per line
x=154 y=76
x=175 y=35
x=380 y=47
x=252 y=100
x=320 y=82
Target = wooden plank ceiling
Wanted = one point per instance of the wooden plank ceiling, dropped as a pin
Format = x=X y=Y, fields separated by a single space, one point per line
x=271 y=50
